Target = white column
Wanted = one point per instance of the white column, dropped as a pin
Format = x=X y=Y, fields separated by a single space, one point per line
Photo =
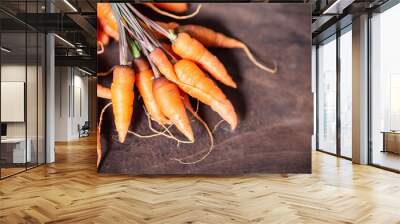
x=50 y=99
x=360 y=90
x=50 y=92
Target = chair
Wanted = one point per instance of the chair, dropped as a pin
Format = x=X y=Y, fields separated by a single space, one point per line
x=84 y=130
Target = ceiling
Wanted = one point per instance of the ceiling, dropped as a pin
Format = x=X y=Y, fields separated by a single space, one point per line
x=78 y=27
x=331 y=15
x=22 y=21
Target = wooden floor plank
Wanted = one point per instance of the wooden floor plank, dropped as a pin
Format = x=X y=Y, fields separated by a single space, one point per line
x=71 y=191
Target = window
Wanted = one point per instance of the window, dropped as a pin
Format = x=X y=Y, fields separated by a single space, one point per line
x=333 y=137
x=346 y=92
x=22 y=76
x=385 y=89
x=327 y=95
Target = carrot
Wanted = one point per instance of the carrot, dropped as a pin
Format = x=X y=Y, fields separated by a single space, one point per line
x=163 y=64
x=189 y=107
x=99 y=150
x=144 y=83
x=102 y=36
x=103 y=92
x=199 y=86
x=169 y=50
x=168 y=26
x=211 y=38
x=173 y=7
x=107 y=20
x=190 y=48
x=122 y=97
x=169 y=100
x=102 y=39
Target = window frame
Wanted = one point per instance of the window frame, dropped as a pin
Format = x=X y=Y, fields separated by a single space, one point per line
x=334 y=37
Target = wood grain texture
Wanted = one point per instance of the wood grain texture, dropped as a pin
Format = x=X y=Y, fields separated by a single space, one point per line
x=71 y=191
x=275 y=111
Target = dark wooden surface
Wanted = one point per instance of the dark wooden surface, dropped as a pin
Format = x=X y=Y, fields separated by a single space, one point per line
x=275 y=111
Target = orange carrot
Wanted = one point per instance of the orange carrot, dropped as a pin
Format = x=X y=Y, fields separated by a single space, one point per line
x=188 y=105
x=163 y=64
x=107 y=20
x=99 y=150
x=169 y=100
x=173 y=7
x=102 y=36
x=190 y=48
x=199 y=86
x=211 y=38
x=103 y=92
x=122 y=97
x=168 y=26
x=168 y=49
x=144 y=83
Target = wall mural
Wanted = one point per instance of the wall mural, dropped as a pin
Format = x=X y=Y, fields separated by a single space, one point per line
x=210 y=89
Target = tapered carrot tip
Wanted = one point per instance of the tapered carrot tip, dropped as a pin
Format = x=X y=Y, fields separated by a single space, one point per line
x=233 y=125
x=171 y=105
x=122 y=135
x=233 y=84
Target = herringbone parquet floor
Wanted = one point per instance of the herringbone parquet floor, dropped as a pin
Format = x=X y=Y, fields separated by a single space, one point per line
x=70 y=191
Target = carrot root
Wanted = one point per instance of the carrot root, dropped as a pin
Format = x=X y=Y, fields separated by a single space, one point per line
x=99 y=150
x=106 y=73
x=211 y=38
x=103 y=92
x=194 y=113
x=168 y=14
x=216 y=126
x=258 y=64
x=100 y=47
x=166 y=129
x=143 y=136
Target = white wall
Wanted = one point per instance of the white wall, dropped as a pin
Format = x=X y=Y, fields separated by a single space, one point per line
x=61 y=103
x=80 y=102
x=33 y=127
x=71 y=94
x=16 y=73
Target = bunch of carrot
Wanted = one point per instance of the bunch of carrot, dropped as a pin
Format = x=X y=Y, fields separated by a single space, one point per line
x=107 y=25
x=165 y=75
